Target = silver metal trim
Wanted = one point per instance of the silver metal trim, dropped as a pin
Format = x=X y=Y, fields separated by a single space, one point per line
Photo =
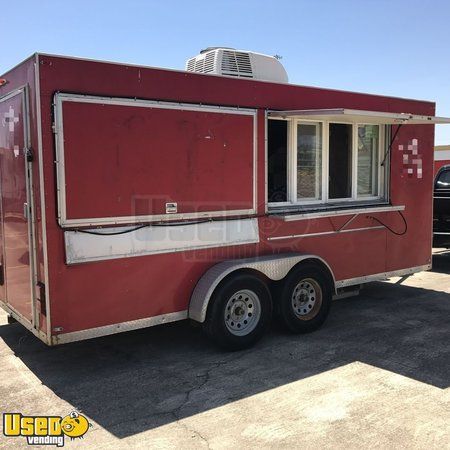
x=12 y=94
x=42 y=195
x=324 y=233
x=255 y=161
x=266 y=163
x=60 y=167
x=340 y=212
x=375 y=116
x=381 y=276
x=31 y=213
x=142 y=103
x=106 y=330
x=274 y=267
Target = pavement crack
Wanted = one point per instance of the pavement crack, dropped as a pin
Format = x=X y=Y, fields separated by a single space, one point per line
x=206 y=376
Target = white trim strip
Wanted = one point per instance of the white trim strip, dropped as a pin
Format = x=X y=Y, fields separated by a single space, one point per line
x=382 y=276
x=118 y=328
x=323 y=233
x=338 y=212
x=82 y=247
x=60 y=165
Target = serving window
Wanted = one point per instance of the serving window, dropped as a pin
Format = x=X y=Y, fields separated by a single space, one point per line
x=325 y=163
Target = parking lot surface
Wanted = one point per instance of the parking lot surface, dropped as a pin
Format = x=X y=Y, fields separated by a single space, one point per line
x=377 y=375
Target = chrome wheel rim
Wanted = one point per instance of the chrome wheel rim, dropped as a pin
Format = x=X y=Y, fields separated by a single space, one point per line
x=306 y=299
x=242 y=312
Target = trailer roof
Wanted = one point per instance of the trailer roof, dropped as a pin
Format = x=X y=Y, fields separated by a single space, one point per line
x=225 y=76
x=355 y=115
x=119 y=63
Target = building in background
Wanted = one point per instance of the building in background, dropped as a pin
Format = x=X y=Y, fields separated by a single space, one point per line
x=441 y=156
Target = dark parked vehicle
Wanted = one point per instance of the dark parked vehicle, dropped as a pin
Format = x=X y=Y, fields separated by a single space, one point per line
x=441 y=219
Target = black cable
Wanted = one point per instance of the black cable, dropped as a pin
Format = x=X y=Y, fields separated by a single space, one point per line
x=174 y=224
x=162 y=224
x=390 y=145
x=389 y=228
x=108 y=234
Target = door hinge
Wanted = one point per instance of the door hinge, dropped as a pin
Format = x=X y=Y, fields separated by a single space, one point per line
x=41 y=297
x=2 y=275
x=26 y=211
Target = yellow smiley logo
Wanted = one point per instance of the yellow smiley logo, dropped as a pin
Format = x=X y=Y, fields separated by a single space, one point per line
x=75 y=425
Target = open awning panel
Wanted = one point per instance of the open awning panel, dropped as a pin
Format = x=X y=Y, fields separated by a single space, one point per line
x=356 y=115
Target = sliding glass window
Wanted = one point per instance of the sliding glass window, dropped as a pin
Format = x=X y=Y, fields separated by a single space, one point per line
x=340 y=160
x=309 y=161
x=312 y=162
x=368 y=160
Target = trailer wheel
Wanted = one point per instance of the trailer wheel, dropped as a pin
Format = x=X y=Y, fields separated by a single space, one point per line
x=305 y=299
x=239 y=312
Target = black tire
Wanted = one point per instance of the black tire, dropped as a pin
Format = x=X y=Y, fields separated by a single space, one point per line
x=240 y=292
x=309 y=308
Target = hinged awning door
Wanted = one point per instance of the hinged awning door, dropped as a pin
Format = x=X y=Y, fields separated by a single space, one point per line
x=361 y=116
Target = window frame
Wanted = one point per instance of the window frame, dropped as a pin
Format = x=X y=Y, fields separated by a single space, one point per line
x=325 y=201
x=382 y=170
x=292 y=164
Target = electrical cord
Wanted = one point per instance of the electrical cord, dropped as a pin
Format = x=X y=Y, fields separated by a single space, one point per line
x=115 y=233
x=161 y=224
x=175 y=224
x=389 y=149
x=389 y=228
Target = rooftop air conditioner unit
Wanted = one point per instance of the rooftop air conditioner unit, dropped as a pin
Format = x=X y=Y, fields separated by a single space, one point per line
x=237 y=63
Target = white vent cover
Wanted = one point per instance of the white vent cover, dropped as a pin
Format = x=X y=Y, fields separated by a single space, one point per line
x=237 y=63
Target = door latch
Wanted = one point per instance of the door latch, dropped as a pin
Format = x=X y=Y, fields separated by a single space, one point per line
x=41 y=297
x=29 y=154
x=25 y=211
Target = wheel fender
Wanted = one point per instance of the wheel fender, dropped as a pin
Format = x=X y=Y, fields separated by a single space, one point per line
x=274 y=267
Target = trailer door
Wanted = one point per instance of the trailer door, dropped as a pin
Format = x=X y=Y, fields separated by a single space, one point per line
x=15 y=257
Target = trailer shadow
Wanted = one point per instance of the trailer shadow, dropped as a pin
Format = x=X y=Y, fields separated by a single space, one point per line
x=136 y=381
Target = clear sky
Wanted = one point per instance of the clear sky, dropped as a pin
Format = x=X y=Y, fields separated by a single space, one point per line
x=393 y=47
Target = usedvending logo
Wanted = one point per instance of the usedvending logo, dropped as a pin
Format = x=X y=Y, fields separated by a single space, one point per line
x=45 y=430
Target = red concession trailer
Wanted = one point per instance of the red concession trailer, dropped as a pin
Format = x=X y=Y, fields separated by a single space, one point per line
x=134 y=196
